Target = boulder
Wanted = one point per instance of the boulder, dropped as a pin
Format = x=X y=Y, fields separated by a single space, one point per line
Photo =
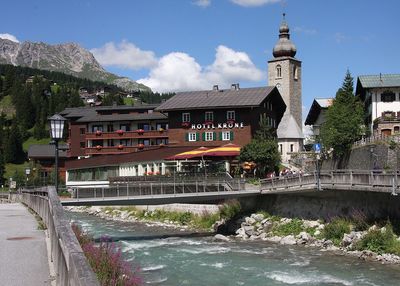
x=250 y=220
x=273 y=239
x=257 y=217
x=288 y=240
x=264 y=221
x=221 y=237
x=304 y=238
x=317 y=232
x=327 y=243
x=285 y=220
x=311 y=223
x=249 y=230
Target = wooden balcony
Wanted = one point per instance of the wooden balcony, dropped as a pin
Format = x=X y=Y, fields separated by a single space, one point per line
x=137 y=134
x=119 y=149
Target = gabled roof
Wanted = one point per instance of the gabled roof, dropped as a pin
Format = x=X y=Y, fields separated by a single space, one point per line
x=381 y=80
x=288 y=128
x=243 y=97
x=45 y=151
x=316 y=107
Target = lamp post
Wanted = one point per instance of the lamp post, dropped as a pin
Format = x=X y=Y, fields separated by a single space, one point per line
x=56 y=133
x=27 y=173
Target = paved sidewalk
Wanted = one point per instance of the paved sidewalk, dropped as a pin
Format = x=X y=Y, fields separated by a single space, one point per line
x=23 y=253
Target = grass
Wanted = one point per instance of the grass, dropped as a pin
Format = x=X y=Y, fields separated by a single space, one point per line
x=12 y=168
x=32 y=141
x=295 y=226
x=336 y=229
x=380 y=241
x=41 y=224
x=7 y=107
x=230 y=209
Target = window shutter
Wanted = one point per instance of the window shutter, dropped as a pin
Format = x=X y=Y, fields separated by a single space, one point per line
x=203 y=136
x=197 y=136
x=214 y=136
x=231 y=136
x=186 y=137
x=220 y=136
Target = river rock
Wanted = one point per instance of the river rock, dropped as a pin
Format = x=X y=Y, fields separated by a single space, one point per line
x=327 y=243
x=317 y=232
x=249 y=230
x=221 y=237
x=374 y=227
x=349 y=239
x=273 y=239
x=285 y=220
x=263 y=235
x=250 y=220
x=388 y=258
x=257 y=217
x=304 y=238
x=288 y=240
x=368 y=255
x=264 y=221
x=311 y=223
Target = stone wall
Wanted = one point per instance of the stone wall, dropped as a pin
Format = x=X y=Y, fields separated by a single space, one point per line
x=327 y=204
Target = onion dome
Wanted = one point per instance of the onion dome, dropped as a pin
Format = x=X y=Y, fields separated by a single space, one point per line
x=284 y=47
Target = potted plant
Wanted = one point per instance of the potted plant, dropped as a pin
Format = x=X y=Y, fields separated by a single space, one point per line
x=120 y=146
x=120 y=132
x=185 y=124
x=161 y=130
x=98 y=147
x=141 y=146
x=140 y=131
x=98 y=132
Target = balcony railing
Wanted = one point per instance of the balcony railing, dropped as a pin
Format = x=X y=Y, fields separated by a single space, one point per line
x=119 y=134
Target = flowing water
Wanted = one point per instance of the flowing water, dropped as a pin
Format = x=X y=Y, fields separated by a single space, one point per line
x=202 y=261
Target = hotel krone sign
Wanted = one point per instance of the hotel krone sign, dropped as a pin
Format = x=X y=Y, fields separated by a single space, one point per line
x=225 y=125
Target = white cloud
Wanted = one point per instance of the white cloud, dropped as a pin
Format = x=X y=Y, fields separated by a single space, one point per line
x=124 y=55
x=254 y=3
x=9 y=37
x=180 y=72
x=202 y=3
x=340 y=37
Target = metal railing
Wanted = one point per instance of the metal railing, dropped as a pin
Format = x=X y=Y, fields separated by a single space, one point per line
x=145 y=188
x=377 y=138
x=69 y=260
x=375 y=181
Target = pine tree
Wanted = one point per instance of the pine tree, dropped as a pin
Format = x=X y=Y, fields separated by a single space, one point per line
x=344 y=120
x=13 y=151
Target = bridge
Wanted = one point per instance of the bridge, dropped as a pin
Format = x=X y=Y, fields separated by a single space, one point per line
x=125 y=192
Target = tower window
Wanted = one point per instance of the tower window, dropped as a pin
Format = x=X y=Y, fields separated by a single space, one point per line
x=295 y=72
x=278 y=71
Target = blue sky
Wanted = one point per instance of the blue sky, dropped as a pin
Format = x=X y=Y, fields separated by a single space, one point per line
x=193 y=44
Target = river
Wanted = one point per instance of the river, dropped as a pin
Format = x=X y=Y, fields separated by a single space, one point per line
x=203 y=261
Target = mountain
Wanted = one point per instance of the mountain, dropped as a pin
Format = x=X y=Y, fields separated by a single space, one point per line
x=69 y=58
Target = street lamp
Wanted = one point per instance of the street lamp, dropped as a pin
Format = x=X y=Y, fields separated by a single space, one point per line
x=56 y=133
x=27 y=173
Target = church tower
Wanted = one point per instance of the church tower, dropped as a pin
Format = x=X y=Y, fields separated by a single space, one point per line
x=284 y=72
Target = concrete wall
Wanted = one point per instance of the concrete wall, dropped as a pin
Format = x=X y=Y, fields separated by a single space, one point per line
x=327 y=204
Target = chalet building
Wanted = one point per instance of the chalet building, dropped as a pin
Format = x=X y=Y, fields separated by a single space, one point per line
x=220 y=116
x=114 y=129
x=381 y=97
x=316 y=115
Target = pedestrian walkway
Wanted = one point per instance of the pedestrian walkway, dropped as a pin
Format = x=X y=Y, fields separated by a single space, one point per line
x=23 y=253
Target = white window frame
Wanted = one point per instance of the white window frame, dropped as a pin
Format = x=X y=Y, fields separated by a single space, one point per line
x=226 y=135
x=209 y=136
x=230 y=115
x=209 y=114
x=186 y=117
x=192 y=137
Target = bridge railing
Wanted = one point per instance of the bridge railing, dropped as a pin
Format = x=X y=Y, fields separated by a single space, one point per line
x=376 y=180
x=144 y=188
x=69 y=260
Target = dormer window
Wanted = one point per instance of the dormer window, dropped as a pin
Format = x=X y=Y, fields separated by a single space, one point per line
x=278 y=71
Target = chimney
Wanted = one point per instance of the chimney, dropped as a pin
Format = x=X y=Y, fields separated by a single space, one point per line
x=215 y=87
x=235 y=86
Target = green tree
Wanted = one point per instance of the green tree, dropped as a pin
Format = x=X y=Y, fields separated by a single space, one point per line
x=262 y=150
x=13 y=152
x=344 y=120
x=2 y=163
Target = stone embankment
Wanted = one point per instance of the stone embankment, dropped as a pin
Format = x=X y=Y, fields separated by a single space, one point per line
x=272 y=229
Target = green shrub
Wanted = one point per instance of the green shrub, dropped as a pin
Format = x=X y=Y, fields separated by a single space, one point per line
x=380 y=241
x=230 y=209
x=295 y=226
x=205 y=221
x=336 y=229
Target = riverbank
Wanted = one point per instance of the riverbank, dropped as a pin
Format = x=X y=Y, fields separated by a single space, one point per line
x=354 y=238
